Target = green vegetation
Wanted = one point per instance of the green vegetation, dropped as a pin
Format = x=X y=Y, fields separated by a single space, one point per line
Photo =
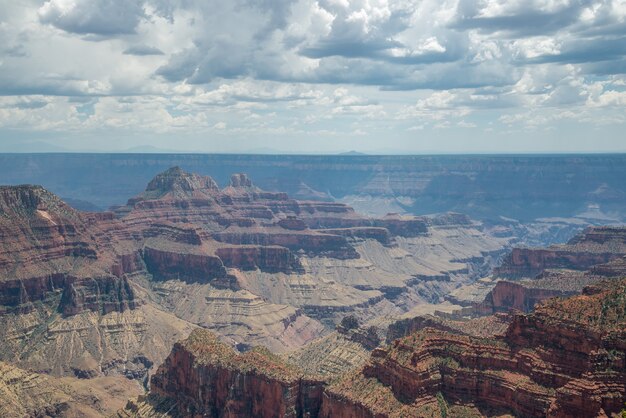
x=350 y=322
x=443 y=405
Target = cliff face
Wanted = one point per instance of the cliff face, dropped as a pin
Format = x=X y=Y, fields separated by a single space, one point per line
x=507 y=296
x=528 y=262
x=271 y=259
x=49 y=250
x=191 y=267
x=313 y=243
x=207 y=378
x=596 y=245
x=566 y=359
x=535 y=274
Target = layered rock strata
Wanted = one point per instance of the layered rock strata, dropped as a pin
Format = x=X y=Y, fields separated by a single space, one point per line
x=566 y=359
x=254 y=383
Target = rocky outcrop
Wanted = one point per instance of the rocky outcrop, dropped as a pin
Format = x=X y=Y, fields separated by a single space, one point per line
x=312 y=243
x=190 y=267
x=270 y=259
x=293 y=223
x=240 y=180
x=176 y=182
x=597 y=245
x=180 y=233
x=403 y=226
x=53 y=254
x=97 y=294
x=529 y=262
x=207 y=378
x=567 y=359
x=507 y=296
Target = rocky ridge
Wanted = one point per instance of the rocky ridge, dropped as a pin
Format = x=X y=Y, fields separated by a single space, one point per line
x=566 y=359
x=528 y=276
x=94 y=295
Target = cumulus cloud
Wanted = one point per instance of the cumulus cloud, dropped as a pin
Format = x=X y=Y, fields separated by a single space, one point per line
x=142 y=50
x=98 y=17
x=311 y=67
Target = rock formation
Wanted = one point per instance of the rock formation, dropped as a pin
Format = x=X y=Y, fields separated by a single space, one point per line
x=596 y=245
x=207 y=378
x=566 y=359
x=529 y=275
x=93 y=295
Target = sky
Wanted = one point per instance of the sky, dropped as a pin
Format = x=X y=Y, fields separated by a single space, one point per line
x=303 y=76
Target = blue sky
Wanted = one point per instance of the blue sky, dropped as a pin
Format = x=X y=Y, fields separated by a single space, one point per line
x=374 y=76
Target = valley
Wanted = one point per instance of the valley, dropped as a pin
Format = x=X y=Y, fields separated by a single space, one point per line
x=188 y=267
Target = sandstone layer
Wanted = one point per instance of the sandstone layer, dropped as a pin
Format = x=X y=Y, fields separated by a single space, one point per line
x=566 y=359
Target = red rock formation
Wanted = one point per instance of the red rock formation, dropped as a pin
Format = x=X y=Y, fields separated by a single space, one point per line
x=528 y=262
x=293 y=223
x=266 y=258
x=507 y=296
x=567 y=359
x=98 y=294
x=312 y=242
x=49 y=250
x=596 y=245
x=207 y=378
x=189 y=267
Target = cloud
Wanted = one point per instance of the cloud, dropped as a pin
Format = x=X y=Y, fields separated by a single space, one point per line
x=584 y=51
x=97 y=17
x=142 y=50
x=518 y=17
x=295 y=68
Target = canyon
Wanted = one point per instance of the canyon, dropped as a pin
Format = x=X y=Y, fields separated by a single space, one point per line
x=485 y=187
x=565 y=359
x=217 y=298
x=89 y=296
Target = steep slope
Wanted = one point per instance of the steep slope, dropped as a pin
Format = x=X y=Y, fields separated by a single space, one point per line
x=255 y=383
x=27 y=394
x=566 y=359
x=261 y=268
x=530 y=275
x=70 y=307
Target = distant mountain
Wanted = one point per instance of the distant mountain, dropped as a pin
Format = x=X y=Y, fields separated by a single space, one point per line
x=522 y=187
x=28 y=146
x=150 y=149
x=355 y=153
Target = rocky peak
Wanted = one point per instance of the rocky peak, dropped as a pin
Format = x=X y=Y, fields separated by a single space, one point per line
x=175 y=180
x=26 y=199
x=240 y=180
x=601 y=235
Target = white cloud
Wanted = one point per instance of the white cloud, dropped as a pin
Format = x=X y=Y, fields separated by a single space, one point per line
x=99 y=17
x=331 y=67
